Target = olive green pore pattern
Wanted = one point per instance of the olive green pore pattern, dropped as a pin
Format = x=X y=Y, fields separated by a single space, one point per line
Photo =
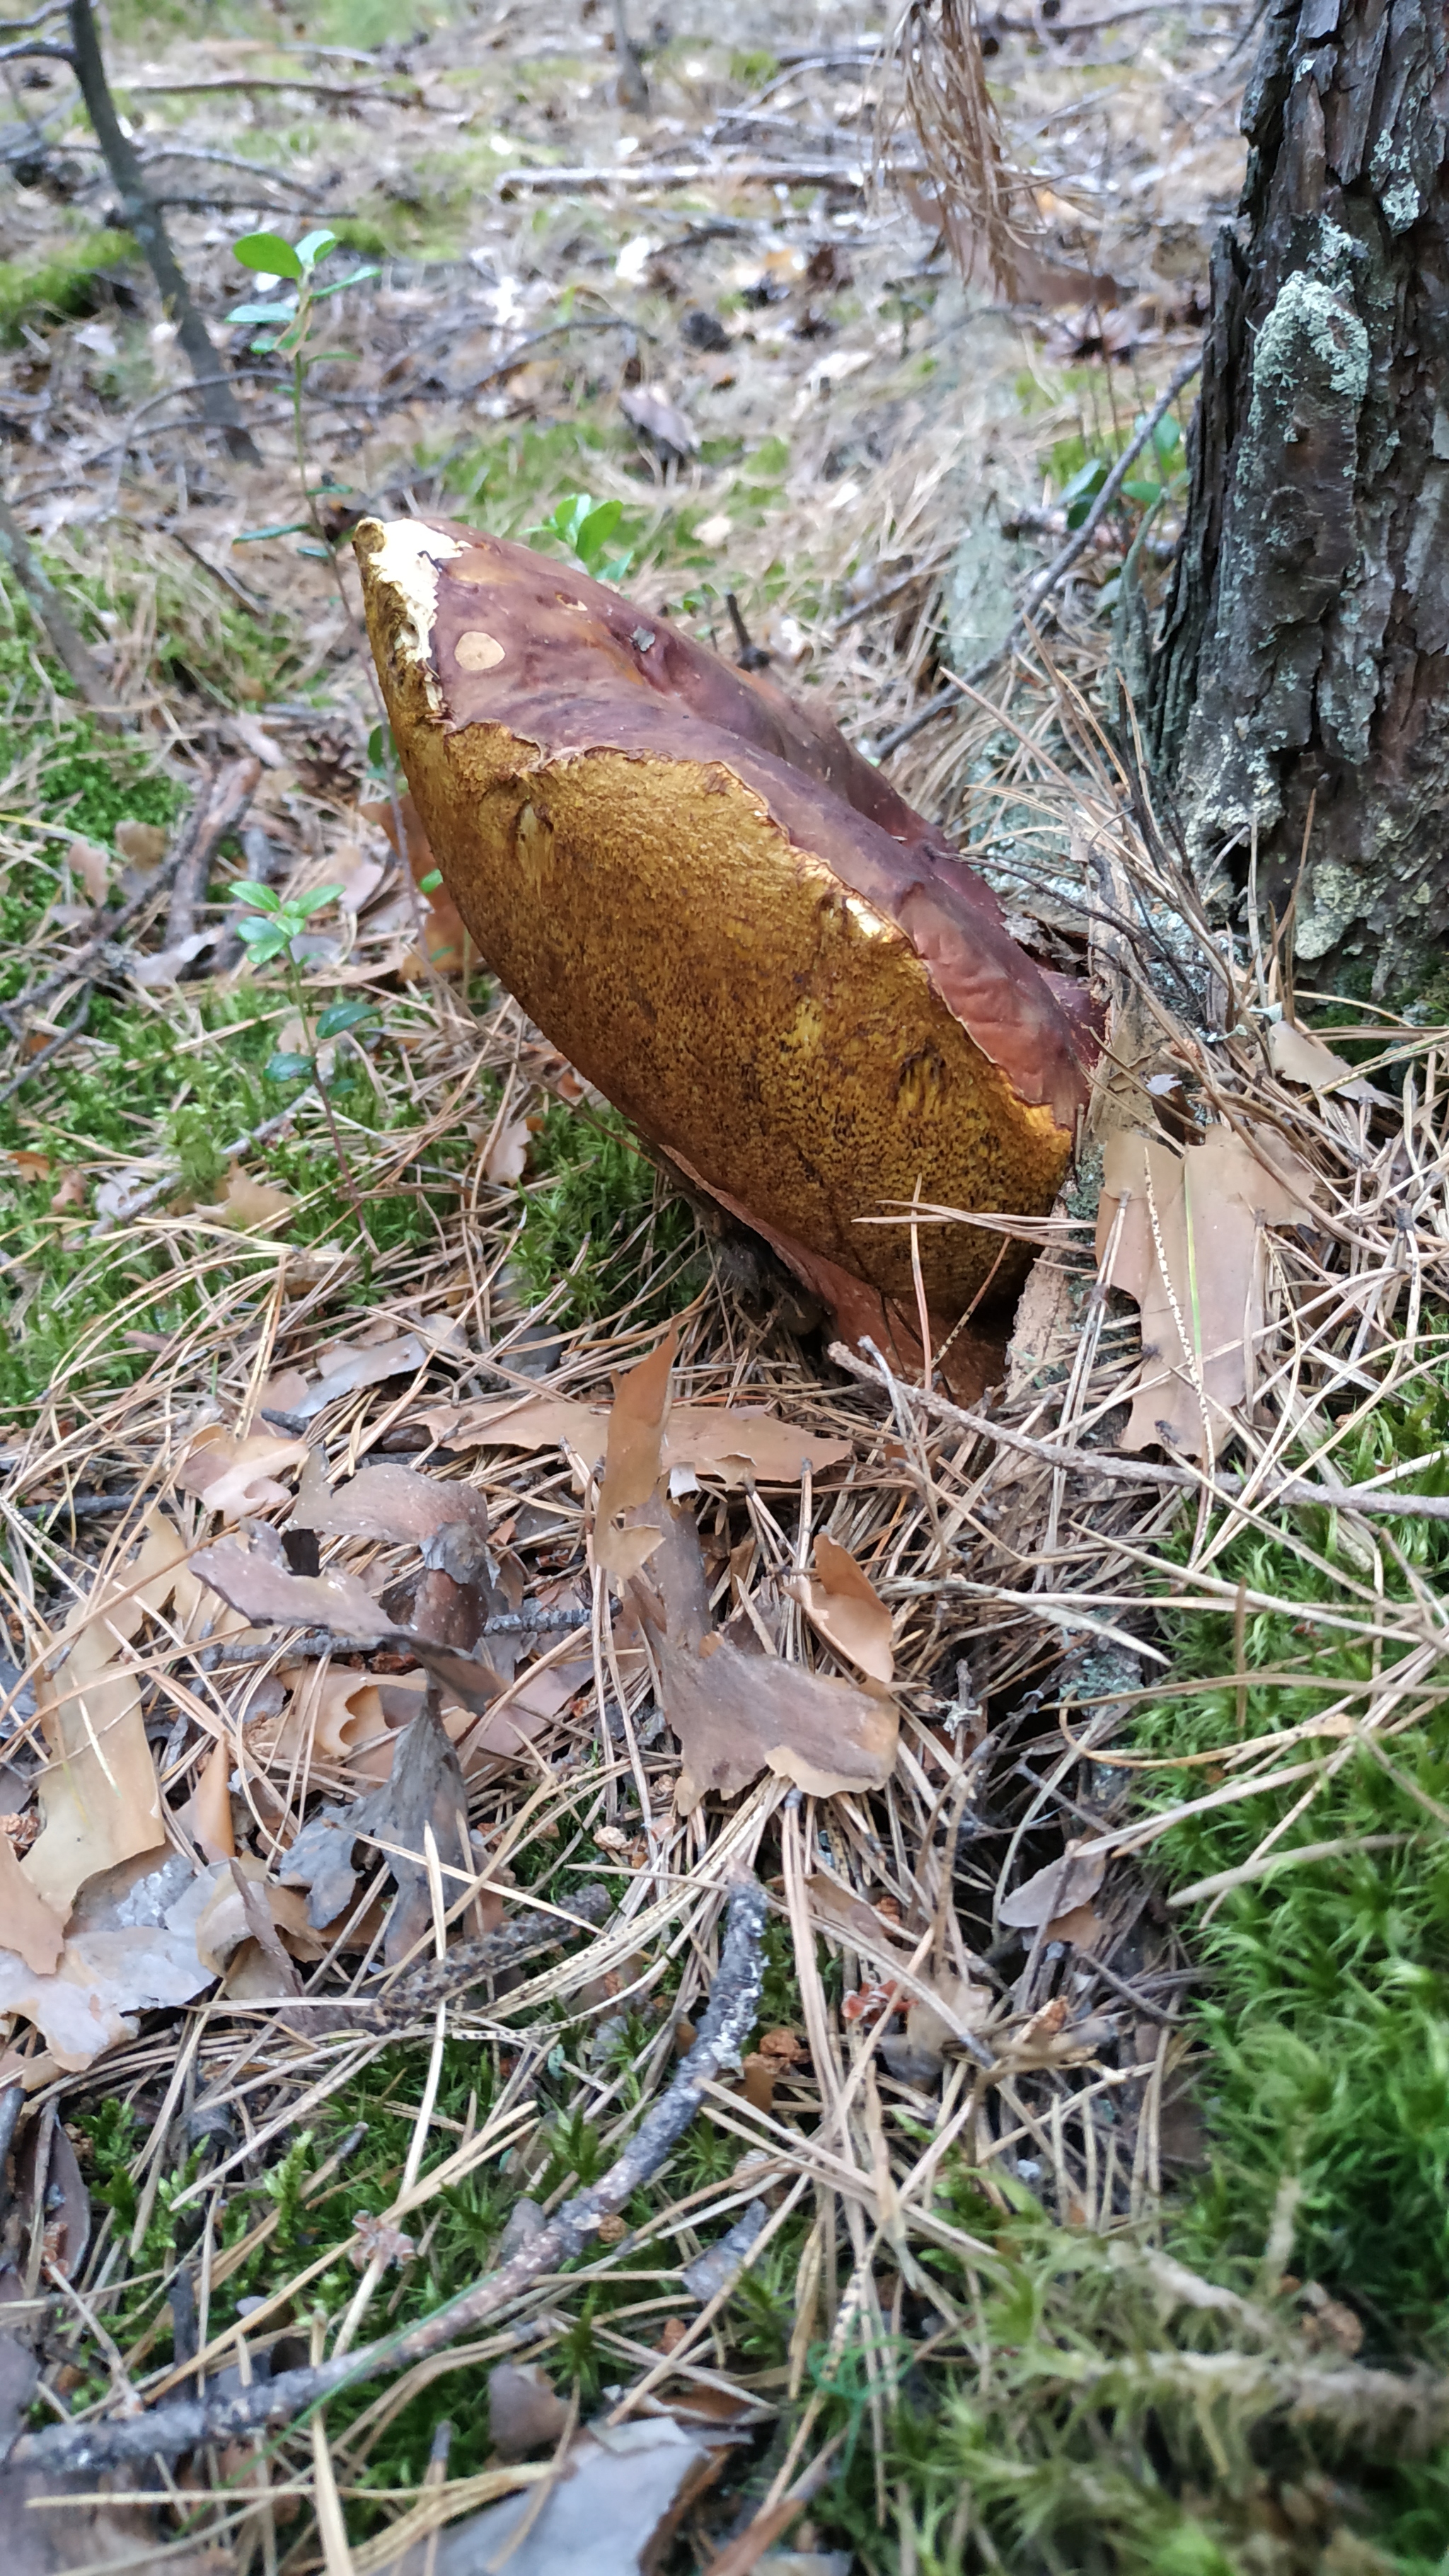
x=725 y=991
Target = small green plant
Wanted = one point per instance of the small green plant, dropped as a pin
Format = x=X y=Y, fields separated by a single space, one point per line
x=276 y=926
x=597 y=1217
x=585 y=527
x=1162 y=476
x=287 y=329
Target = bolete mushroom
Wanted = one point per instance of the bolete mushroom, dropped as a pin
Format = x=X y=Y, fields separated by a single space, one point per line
x=726 y=918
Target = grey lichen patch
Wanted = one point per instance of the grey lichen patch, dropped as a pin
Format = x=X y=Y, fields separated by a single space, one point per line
x=1331 y=900
x=1311 y=324
x=1289 y=561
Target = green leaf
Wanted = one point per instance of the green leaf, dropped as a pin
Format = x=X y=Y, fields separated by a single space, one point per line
x=431 y=882
x=254 y=536
x=1167 y=437
x=307 y=904
x=260 y=897
x=380 y=747
x=263 y=938
x=337 y=285
x=316 y=554
x=262 y=348
x=341 y=1016
x=286 y=1067
x=269 y=255
x=283 y=311
x=1142 y=492
x=311 y=248
x=1084 y=485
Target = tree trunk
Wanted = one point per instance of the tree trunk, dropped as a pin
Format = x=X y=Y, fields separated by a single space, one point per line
x=142 y=217
x=1300 y=686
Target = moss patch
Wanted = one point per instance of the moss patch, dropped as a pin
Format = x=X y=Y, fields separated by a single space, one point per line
x=60 y=284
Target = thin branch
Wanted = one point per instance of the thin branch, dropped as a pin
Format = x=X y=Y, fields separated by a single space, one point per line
x=142 y=217
x=55 y=617
x=1039 y=589
x=189 y=2422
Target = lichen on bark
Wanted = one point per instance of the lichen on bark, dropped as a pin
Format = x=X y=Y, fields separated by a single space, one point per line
x=1302 y=665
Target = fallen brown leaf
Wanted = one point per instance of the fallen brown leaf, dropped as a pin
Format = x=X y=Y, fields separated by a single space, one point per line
x=28 y=1926
x=507 y=1157
x=238 y=1477
x=844 y=1607
x=632 y=1461
x=99 y=1797
x=341 y=1371
x=525 y=2410
x=1190 y=1251
x=1301 y=1057
x=246 y=1202
x=738 y=1713
x=211 y=1805
x=733 y=1443
x=1058 y=1889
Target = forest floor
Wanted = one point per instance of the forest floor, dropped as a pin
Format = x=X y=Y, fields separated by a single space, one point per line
x=1079 y=2199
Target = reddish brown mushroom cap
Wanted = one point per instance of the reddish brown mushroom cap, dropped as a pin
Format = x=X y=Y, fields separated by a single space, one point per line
x=728 y=920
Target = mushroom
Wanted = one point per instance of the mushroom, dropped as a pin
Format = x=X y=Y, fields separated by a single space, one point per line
x=728 y=921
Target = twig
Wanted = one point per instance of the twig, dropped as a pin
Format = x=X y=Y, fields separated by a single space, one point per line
x=141 y=217
x=685 y=174
x=1052 y=575
x=218 y=2417
x=55 y=617
x=46 y=1055
x=308 y=88
x=231 y=1153
x=217 y=811
x=1372 y=1499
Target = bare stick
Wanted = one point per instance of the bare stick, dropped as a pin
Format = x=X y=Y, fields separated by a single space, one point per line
x=55 y=617
x=1039 y=589
x=141 y=216
x=188 y=2422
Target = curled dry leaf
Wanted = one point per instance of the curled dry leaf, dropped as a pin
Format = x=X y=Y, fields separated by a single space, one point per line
x=525 y=2410
x=637 y=1418
x=246 y=1202
x=610 y=2509
x=731 y=1444
x=838 y=1016
x=507 y=1157
x=377 y=2241
x=1301 y=1057
x=341 y=1371
x=238 y=1477
x=1058 y=1889
x=1189 y=1249
x=738 y=1712
x=28 y=1926
x=844 y=1607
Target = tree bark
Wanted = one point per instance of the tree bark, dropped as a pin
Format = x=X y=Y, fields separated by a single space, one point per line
x=1299 y=687
x=142 y=216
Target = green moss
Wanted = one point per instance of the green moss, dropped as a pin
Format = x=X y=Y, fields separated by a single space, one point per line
x=61 y=283
x=601 y=1219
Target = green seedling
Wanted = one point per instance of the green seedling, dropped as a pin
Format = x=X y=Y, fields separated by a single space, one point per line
x=287 y=328
x=275 y=928
x=585 y=527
